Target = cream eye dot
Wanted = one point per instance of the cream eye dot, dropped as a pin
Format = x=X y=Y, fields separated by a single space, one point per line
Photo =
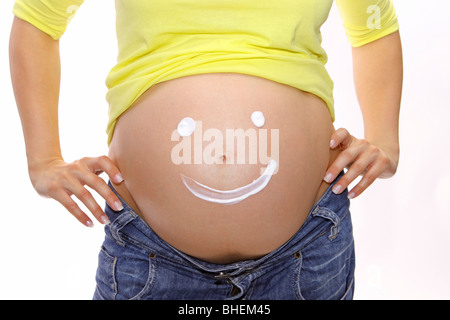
x=186 y=127
x=258 y=119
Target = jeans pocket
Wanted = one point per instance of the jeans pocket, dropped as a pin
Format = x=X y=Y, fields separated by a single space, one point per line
x=125 y=275
x=326 y=265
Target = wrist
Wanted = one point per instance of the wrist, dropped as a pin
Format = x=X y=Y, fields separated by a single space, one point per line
x=36 y=163
x=390 y=147
x=387 y=141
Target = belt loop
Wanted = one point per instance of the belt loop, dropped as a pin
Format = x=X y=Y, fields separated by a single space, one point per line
x=119 y=223
x=333 y=217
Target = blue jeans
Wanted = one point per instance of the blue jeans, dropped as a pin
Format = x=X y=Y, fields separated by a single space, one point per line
x=318 y=262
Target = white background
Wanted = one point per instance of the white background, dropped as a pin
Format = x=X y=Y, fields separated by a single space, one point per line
x=402 y=225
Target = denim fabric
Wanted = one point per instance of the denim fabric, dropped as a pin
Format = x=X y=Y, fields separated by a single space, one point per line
x=318 y=262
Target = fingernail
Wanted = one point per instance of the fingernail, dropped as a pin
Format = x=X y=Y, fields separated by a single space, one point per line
x=104 y=219
x=89 y=224
x=118 y=205
x=328 y=177
x=337 y=189
x=118 y=177
x=351 y=195
x=332 y=143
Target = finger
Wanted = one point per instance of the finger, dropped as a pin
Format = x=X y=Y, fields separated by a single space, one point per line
x=99 y=185
x=357 y=168
x=368 y=178
x=104 y=164
x=343 y=160
x=71 y=206
x=341 y=137
x=88 y=200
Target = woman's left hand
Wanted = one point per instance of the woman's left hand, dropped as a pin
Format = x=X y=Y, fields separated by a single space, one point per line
x=360 y=157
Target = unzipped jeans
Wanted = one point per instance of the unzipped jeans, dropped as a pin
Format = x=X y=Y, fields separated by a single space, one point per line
x=317 y=263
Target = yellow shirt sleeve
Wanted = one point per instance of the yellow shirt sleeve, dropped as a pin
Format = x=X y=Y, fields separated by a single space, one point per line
x=367 y=20
x=50 y=16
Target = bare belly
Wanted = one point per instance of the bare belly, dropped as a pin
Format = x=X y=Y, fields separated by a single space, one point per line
x=143 y=147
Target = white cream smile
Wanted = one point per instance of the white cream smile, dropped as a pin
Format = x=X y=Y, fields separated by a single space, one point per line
x=230 y=196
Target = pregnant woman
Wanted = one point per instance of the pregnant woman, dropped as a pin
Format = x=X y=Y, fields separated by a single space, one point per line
x=226 y=174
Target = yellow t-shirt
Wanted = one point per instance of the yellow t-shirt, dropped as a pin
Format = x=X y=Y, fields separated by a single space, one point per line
x=279 y=40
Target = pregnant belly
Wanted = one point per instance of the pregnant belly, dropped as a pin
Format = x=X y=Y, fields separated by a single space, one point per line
x=202 y=188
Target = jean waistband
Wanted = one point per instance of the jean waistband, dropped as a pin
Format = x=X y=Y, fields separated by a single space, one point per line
x=128 y=224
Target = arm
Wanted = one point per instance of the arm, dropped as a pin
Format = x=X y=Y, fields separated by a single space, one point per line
x=378 y=74
x=35 y=73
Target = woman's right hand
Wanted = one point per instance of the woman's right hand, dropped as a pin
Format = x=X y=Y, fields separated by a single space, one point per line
x=57 y=179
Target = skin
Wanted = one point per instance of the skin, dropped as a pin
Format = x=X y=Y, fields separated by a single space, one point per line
x=378 y=74
x=35 y=73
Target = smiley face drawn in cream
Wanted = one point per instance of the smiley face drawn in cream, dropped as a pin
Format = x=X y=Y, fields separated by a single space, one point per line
x=185 y=128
